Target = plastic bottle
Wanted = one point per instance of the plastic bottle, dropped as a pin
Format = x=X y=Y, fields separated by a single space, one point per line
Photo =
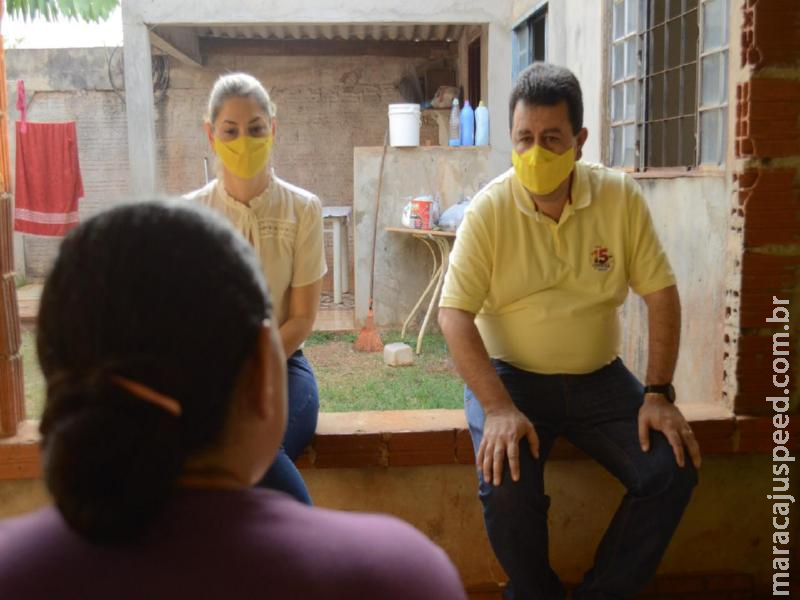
x=467 y=125
x=455 y=125
x=481 y=125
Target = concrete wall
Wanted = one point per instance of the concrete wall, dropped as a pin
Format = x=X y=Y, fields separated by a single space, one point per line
x=727 y=526
x=403 y=264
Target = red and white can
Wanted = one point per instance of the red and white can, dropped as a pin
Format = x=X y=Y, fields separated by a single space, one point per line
x=421 y=212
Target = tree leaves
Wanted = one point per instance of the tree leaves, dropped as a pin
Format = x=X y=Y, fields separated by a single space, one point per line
x=83 y=10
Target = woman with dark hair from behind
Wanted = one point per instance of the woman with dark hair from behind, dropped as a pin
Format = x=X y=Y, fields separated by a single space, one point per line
x=166 y=401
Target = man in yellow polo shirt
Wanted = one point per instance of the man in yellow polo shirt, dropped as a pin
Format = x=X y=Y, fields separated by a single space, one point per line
x=542 y=262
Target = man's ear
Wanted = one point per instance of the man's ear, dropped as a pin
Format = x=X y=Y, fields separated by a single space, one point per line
x=274 y=126
x=581 y=140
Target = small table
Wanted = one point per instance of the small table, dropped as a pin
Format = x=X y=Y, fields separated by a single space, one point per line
x=339 y=216
x=440 y=244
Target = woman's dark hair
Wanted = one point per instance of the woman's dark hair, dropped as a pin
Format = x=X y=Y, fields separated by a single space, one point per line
x=166 y=294
x=546 y=85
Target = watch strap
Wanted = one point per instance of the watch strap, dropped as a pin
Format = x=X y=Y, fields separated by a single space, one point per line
x=665 y=389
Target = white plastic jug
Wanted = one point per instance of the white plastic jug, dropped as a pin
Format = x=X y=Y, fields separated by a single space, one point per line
x=404 y=124
x=481 y=125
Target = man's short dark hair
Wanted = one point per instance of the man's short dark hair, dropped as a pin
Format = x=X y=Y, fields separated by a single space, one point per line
x=544 y=84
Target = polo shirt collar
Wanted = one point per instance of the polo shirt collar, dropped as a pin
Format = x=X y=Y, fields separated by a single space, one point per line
x=580 y=193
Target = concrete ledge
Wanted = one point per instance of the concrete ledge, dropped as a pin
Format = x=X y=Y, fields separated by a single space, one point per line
x=433 y=437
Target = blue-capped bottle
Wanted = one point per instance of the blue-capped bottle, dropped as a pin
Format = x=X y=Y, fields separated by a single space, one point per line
x=467 y=125
x=454 y=139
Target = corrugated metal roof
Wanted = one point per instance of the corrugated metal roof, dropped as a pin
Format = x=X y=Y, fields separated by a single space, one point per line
x=356 y=31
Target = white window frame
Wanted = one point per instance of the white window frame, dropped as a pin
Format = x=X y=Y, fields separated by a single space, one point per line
x=721 y=107
x=620 y=123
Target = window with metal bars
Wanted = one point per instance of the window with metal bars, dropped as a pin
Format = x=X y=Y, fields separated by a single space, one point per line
x=662 y=53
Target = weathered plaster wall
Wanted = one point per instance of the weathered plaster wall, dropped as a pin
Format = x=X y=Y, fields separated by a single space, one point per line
x=575 y=40
x=403 y=264
x=442 y=502
x=690 y=215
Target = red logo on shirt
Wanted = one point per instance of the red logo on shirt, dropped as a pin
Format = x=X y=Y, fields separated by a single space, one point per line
x=601 y=259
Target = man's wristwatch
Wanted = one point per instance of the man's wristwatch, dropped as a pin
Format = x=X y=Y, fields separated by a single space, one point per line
x=664 y=389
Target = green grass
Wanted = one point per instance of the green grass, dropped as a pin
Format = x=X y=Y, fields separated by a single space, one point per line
x=34 y=381
x=348 y=380
x=324 y=337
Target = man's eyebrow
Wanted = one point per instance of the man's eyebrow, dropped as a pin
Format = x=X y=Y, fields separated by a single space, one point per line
x=549 y=130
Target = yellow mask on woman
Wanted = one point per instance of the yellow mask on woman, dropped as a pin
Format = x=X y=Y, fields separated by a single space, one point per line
x=542 y=171
x=245 y=156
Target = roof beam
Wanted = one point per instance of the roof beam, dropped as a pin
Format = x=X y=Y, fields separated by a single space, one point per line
x=181 y=44
x=262 y=47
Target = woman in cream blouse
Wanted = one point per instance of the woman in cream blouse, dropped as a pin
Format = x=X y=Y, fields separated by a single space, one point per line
x=284 y=224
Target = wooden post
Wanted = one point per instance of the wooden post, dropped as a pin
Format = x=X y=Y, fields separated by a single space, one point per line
x=12 y=398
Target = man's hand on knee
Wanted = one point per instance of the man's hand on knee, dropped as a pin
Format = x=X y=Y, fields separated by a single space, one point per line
x=659 y=414
x=502 y=431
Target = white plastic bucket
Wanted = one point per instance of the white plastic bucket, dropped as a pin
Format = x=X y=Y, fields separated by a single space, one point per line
x=404 y=124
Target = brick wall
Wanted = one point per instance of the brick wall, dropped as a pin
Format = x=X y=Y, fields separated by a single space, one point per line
x=767 y=149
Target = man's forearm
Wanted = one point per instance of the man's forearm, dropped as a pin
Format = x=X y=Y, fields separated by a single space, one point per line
x=471 y=359
x=664 y=324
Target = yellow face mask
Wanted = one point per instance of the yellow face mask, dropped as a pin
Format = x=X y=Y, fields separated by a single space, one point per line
x=542 y=171
x=245 y=156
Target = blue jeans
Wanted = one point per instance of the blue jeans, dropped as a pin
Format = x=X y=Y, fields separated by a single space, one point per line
x=597 y=412
x=301 y=424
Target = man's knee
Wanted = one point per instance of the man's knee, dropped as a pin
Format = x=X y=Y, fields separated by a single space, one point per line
x=664 y=475
x=512 y=497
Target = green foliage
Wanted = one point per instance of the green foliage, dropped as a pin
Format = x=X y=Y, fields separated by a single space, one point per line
x=50 y=10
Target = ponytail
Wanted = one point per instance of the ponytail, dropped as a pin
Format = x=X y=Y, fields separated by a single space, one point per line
x=111 y=460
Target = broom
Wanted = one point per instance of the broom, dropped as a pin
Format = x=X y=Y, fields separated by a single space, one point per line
x=369 y=340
